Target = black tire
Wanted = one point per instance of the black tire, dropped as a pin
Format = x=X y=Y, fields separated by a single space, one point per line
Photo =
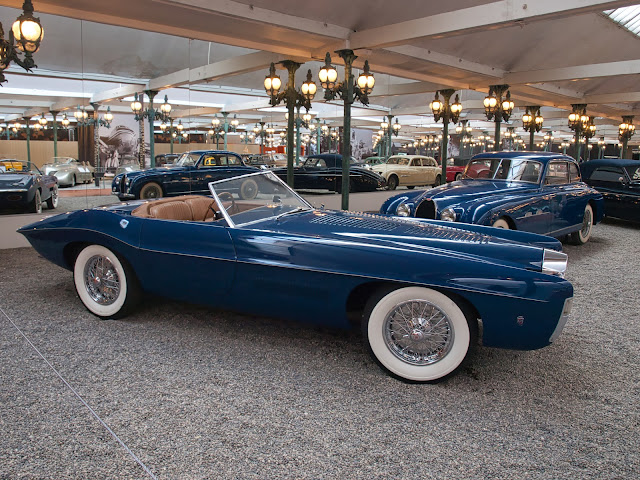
x=105 y=283
x=73 y=181
x=36 y=203
x=434 y=349
x=458 y=176
x=411 y=187
x=150 y=191
x=583 y=235
x=392 y=183
x=248 y=189
x=437 y=182
x=52 y=201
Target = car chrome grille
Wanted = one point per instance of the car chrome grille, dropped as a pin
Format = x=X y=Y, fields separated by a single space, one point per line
x=426 y=209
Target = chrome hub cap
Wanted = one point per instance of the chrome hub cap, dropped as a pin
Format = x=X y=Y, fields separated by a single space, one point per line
x=101 y=280
x=418 y=332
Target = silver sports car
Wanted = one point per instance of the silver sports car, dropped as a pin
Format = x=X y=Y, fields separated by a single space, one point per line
x=69 y=171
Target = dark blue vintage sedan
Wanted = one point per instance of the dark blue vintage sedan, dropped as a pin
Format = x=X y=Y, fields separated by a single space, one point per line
x=539 y=192
x=418 y=288
x=191 y=173
x=324 y=172
x=618 y=180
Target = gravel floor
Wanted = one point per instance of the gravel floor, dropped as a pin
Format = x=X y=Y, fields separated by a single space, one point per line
x=196 y=393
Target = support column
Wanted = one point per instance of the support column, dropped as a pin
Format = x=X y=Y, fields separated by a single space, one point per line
x=55 y=134
x=225 y=128
x=96 y=143
x=348 y=57
x=152 y=117
x=28 y=130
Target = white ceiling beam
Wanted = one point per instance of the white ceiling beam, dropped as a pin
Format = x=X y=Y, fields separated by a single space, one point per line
x=448 y=60
x=482 y=17
x=116 y=93
x=613 y=97
x=195 y=112
x=611 y=69
x=261 y=15
x=214 y=71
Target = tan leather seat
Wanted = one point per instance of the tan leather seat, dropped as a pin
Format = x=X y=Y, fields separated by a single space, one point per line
x=202 y=208
x=197 y=207
x=171 y=211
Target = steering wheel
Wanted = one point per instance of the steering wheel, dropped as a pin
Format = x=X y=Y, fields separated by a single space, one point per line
x=226 y=197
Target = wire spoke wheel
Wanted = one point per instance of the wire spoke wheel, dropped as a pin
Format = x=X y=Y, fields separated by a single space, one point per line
x=418 y=332
x=101 y=280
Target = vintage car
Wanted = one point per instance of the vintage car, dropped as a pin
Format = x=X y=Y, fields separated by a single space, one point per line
x=69 y=171
x=24 y=187
x=618 y=180
x=370 y=162
x=257 y=160
x=323 y=171
x=166 y=159
x=417 y=288
x=191 y=173
x=409 y=171
x=454 y=171
x=539 y=192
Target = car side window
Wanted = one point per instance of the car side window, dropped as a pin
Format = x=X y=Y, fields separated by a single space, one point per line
x=557 y=173
x=416 y=162
x=321 y=163
x=607 y=176
x=233 y=160
x=574 y=173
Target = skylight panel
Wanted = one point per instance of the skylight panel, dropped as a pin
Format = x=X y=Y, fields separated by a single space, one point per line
x=626 y=17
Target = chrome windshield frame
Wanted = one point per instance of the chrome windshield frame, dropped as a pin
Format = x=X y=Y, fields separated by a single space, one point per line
x=226 y=215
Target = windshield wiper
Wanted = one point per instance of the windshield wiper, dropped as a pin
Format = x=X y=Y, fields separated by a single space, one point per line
x=295 y=210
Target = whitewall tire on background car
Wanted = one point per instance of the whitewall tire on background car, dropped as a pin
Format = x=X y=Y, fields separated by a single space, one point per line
x=417 y=333
x=583 y=235
x=151 y=190
x=106 y=285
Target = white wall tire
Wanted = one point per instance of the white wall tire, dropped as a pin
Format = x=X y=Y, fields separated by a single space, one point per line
x=501 y=223
x=583 y=235
x=150 y=190
x=106 y=286
x=416 y=333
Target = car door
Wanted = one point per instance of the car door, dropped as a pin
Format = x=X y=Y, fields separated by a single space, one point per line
x=567 y=203
x=430 y=168
x=610 y=182
x=211 y=167
x=192 y=261
x=415 y=172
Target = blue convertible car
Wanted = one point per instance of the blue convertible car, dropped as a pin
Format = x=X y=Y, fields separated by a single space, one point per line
x=418 y=288
x=539 y=192
x=191 y=173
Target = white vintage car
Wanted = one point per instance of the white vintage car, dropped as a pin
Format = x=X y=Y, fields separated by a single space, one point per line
x=409 y=171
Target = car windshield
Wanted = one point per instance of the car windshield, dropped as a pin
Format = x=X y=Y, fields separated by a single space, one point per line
x=187 y=159
x=62 y=160
x=634 y=173
x=506 y=169
x=256 y=197
x=398 y=161
x=17 y=166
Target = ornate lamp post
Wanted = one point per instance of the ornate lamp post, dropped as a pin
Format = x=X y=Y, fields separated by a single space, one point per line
x=589 y=132
x=152 y=115
x=548 y=141
x=448 y=112
x=389 y=128
x=220 y=130
x=348 y=91
x=292 y=99
x=601 y=146
x=84 y=121
x=579 y=122
x=564 y=145
x=495 y=108
x=25 y=36
x=625 y=131
x=532 y=122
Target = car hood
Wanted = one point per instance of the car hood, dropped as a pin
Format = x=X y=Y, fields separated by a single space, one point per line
x=468 y=189
x=427 y=236
x=9 y=180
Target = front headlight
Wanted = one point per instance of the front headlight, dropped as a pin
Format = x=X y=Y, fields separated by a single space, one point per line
x=448 y=215
x=554 y=262
x=403 y=210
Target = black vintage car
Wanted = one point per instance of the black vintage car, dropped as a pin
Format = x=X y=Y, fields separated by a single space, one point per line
x=619 y=182
x=191 y=173
x=324 y=172
x=23 y=187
